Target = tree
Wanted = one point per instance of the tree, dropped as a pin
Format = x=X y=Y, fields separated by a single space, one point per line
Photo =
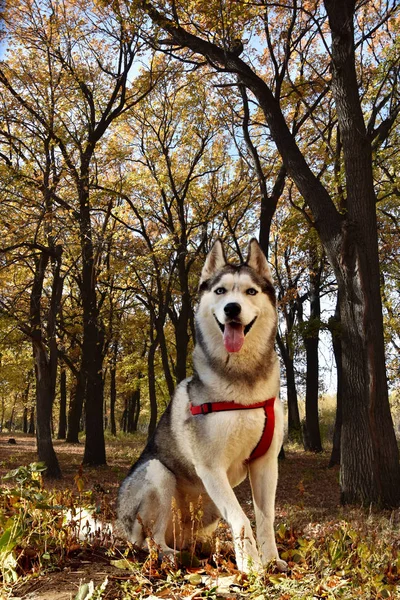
x=370 y=470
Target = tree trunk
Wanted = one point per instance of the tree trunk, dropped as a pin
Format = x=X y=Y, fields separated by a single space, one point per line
x=113 y=390
x=268 y=203
x=152 y=386
x=370 y=470
x=45 y=365
x=26 y=399
x=44 y=405
x=294 y=424
x=182 y=325
x=31 y=429
x=136 y=411
x=311 y=342
x=25 y=420
x=334 y=326
x=75 y=410
x=93 y=336
x=313 y=437
x=165 y=362
x=11 y=419
x=62 y=420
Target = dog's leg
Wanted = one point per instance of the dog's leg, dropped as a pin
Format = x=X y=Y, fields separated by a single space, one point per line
x=264 y=478
x=221 y=493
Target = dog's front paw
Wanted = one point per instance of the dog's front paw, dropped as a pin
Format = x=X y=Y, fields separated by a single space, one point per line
x=247 y=559
x=272 y=559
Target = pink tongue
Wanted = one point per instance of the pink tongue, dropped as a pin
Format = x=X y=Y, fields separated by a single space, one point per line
x=233 y=337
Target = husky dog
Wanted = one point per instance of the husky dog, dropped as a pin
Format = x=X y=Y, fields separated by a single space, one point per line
x=201 y=450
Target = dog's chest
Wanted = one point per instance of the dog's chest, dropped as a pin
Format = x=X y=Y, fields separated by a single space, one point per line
x=232 y=436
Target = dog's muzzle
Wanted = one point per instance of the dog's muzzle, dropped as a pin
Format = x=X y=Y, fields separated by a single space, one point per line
x=246 y=327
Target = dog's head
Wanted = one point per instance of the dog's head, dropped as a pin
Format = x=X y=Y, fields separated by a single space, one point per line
x=238 y=296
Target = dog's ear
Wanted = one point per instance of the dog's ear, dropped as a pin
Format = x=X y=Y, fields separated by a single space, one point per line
x=256 y=260
x=215 y=260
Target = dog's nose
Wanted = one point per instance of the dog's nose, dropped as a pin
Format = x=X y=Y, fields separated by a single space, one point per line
x=232 y=309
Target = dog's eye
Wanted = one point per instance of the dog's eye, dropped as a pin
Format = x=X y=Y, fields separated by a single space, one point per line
x=251 y=292
x=220 y=291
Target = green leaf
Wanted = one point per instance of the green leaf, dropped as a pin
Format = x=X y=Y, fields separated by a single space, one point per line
x=5 y=539
x=38 y=467
x=277 y=579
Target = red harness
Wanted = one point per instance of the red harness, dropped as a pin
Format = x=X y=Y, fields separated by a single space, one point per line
x=269 y=425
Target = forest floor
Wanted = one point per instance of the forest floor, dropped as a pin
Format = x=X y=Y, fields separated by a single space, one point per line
x=332 y=551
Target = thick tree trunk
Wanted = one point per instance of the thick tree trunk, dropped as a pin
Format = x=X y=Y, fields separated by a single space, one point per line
x=62 y=419
x=93 y=336
x=11 y=419
x=45 y=364
x=95 y=452
x=370 y=470
x=44 y=405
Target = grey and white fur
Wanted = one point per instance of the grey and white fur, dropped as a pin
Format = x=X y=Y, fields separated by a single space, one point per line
x=234 y=360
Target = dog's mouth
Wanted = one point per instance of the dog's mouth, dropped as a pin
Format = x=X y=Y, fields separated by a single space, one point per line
x=234 y=333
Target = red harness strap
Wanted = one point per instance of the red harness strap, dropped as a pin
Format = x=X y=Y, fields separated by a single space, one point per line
x=269 y=425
